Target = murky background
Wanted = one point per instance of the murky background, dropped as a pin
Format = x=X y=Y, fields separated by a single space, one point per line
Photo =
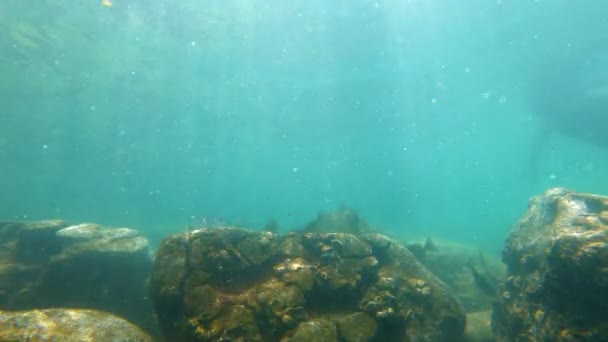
x=422 y=115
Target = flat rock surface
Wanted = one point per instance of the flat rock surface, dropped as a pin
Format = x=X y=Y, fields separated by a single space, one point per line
x=67 y=325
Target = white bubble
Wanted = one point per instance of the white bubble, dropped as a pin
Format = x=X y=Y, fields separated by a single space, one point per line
x=193 y=43
x=552 y=176
x=295 y=169
x=502 y=99
x=45 y=146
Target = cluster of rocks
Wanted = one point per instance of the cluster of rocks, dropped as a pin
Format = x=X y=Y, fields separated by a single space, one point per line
x=50 y=264
x=335 y=280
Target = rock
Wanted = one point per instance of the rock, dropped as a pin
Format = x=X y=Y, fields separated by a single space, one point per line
x=340 y=221
x=472 y=275
x=67 y=325
x=52 y=264
x=479 y=327
x=91 y=232
x=557 y=271
x=232 y=324
x=29 y=242
x=233 y=284
x=402 y=285
x=167 y=286
x=317 y=330
x=358 y=327
x=83 y=231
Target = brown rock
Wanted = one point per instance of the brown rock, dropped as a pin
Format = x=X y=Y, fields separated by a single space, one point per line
x=297 y=287
x=557 y=259
x=67 y=325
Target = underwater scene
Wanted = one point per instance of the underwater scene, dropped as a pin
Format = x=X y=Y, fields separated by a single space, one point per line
x=399 y=170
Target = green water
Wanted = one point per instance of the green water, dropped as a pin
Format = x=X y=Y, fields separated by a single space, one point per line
x=159 y=114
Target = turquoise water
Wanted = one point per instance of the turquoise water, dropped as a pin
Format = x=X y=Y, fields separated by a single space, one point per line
x=415 y=113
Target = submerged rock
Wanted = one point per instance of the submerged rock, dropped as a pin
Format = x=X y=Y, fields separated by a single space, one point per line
x=479 y=327
x=358 y=327
x=233 y=284
x=316 y=330
x=557 y=259
x=339 y=221
x=67 y=325
x=52 y=264
x=473 y=276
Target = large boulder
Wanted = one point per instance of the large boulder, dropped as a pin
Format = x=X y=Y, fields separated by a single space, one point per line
x=67 y=325
x=52 y=264
x=232 y=284
x=557 y=276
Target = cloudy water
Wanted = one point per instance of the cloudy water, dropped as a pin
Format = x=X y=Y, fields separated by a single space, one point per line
x=430 y=118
